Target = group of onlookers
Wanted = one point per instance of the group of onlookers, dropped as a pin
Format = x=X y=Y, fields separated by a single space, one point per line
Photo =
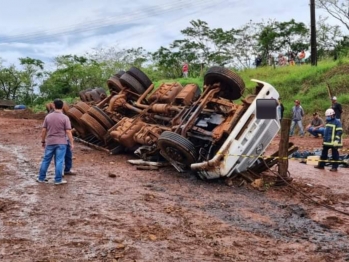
x=317 y=126
x=291 y=58
x=330 y=130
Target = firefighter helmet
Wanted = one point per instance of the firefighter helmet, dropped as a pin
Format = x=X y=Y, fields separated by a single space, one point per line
x=329 y=112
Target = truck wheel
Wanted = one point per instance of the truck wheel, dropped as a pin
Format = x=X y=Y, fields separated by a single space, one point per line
x=232 y=85
x=94 y=126
x=83 y=96
x=82 y=107
x=141 y=77
x=74 y=115
x=177 y=148
x=114 y=84
x=132 y=83
x=100 y=90
x=101 y=117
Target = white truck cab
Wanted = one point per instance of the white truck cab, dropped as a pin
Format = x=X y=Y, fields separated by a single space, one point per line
x=245 y=144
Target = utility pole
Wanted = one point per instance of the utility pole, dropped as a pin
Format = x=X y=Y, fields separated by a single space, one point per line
x=313 y=34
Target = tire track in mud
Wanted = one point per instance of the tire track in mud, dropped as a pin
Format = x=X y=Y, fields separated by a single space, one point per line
x=18 y=200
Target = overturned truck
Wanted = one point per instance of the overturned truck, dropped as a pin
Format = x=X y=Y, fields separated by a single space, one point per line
x=203 y=131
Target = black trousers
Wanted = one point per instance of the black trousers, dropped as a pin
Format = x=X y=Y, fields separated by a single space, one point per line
x=335 y=156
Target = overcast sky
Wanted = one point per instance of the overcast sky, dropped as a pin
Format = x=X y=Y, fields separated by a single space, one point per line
x=44 y=29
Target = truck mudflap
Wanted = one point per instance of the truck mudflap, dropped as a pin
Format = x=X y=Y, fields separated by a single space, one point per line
x=246 y=143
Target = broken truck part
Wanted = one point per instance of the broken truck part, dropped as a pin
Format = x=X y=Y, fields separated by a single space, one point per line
x=206 y=132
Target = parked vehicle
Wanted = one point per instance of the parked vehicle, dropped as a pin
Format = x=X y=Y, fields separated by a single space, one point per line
x=20 y=107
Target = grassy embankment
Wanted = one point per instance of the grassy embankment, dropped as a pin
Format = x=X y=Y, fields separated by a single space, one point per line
x=305 y=82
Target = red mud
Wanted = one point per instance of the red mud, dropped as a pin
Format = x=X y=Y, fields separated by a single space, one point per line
x=161 y=215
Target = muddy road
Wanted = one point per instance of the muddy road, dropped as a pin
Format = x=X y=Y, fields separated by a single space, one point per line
x=110 y=211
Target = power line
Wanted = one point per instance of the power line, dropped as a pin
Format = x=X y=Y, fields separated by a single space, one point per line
x=99 y=23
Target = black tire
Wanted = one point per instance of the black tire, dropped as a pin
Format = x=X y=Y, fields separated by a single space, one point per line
x=101 y=117
x=100 y=90
x=95 y=96
x=232 y=85
x=75 y=118
x=141 y=77
x=120 y=73
x=65 y=108
x=177 y=148
x=83 y=96
x=132 y=83
x=94 y=126
x=114 y=84
x=83 y=107
x=197 y=94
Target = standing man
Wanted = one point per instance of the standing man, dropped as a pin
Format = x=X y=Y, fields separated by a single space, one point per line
x=68 y=159
x=297 y=115
x=337 y=108
x=185 y=70
x=55 y=130
x=258 y=60
x=333 y=139
x=316 y=127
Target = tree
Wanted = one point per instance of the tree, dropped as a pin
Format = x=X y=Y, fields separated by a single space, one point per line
x=245 y=45
x=10 y=82
x=292 y=36
x=267 y=37
x=339 y=9
x=73 y=74
x=282 y=36
x=328 y=37
x=136 y=56
x=167 y=62
x=31 y=77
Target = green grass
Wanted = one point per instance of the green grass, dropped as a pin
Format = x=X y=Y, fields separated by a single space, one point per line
x=306 y=83
x=303 y=82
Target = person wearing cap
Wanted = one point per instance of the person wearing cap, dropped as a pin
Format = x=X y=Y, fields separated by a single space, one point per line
x=316 y=127
x=332 y=139
x=297 y=116
x=337 y=107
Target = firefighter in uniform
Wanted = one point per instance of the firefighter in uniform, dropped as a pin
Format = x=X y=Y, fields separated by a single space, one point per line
x=332 y=139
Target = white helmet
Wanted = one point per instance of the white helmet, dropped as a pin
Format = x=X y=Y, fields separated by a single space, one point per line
x=329 y=112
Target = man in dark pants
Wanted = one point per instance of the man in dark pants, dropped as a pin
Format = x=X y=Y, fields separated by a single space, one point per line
x=68 y=161
x=333 y=139
x=337 y=107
